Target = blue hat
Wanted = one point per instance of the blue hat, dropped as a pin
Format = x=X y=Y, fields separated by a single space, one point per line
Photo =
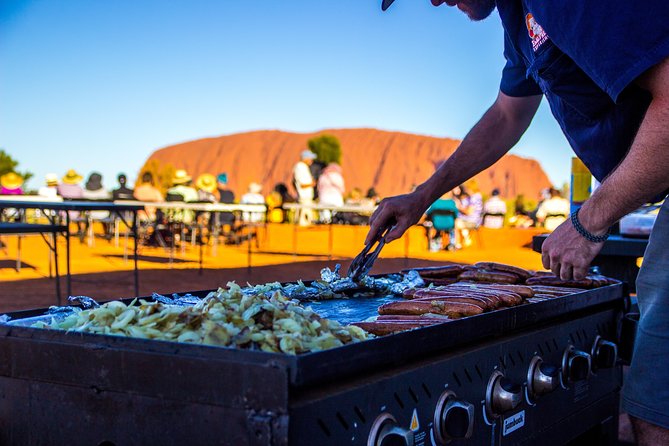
x=386 y=4
x=222 y=178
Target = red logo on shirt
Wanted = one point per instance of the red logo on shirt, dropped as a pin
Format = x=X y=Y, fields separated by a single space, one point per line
x=536 y=32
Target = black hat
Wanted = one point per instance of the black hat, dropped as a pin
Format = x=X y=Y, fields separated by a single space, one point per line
x=386 y=4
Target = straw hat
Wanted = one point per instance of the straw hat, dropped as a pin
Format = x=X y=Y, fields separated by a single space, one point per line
x=51 y=179
x=255 y=188
x=72 y=177
x=206 y=182
x=11 y=180
x=181 y=177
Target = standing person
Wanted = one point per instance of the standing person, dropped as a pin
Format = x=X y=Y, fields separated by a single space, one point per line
x=470 y=209
x=553 y=211
x=331 y=189
x=304 y=185
x=610 y=95
x=494 y=206
x=50 y=188
x=94 y=190
x=123 y=192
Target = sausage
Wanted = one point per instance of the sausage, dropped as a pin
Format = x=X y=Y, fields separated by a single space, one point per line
x=489 y=276
x=522 y=290
x=523 y=274
x=450 y=309
x=506 y=298
x=484 y=302
x=412 y=317
x=438 y=272
x=489 y=301
x=440 y=282
x=556 y=281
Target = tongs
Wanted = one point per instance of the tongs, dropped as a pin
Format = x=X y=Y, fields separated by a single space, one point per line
x=363 y=262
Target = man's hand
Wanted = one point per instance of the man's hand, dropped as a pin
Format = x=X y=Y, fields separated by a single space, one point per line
x=567 y=253
x=406 y=210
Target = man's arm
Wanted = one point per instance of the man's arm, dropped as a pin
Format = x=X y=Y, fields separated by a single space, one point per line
x=643 y=174
x=494 y=134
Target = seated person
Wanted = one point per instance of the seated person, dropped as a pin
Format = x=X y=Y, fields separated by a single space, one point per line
x=442 y=215
x=182 y=190
x=253 y=196
x=494 y=210
x=123 y=192
x=553 y=211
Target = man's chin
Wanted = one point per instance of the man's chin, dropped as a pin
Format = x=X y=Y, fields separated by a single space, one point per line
x=476 y=14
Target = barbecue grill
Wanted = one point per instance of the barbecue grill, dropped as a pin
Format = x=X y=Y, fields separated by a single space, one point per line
x=543 y=372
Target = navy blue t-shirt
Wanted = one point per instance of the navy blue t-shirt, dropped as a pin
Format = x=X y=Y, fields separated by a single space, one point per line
x=583 y=56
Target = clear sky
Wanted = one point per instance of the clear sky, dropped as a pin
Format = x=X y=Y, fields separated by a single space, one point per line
x=99 y=85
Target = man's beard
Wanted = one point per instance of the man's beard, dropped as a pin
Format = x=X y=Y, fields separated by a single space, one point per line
x=478 y=9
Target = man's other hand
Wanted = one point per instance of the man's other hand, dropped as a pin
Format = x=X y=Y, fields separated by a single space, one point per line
x=567 y=253
x=406 y=210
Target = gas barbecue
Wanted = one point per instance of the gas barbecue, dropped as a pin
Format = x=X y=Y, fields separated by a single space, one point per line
x=543 y=372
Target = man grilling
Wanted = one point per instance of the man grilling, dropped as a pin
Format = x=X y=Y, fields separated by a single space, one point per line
x=604 y=69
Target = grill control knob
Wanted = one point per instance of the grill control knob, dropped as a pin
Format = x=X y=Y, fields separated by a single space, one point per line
x=453 y=418
x=502 y=395
x=386 y=432
x=542 y=378
x=604 y=354
x=576 y=365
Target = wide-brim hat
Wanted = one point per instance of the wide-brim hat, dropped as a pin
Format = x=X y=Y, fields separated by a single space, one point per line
x=72 y=177
x=255 y=188
x=94 y=181
x=386 y=4
x=11 y=180
x=181 y=177
x=206 y=182
x=51 y=179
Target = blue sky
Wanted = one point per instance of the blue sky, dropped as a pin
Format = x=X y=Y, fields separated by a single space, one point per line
x=99 y=85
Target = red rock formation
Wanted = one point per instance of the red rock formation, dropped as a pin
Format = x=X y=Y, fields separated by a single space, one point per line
x=391 y=162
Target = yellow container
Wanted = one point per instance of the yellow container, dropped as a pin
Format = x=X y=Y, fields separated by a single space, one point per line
x=581 y=183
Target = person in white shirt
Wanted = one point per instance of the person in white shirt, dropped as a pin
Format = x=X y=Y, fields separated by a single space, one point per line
x=304 y=185
x=50 y=190
x=494 y=205
x=253 y=196
x=552 y=212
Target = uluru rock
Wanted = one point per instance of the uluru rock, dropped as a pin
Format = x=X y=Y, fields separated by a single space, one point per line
x=391 y=162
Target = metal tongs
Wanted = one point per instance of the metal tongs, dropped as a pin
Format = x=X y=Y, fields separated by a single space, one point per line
x=363 y=262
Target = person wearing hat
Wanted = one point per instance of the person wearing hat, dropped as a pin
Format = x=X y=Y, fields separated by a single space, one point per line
x=10 y=184
x=181 y=185
x=603 y=67
x=206 y=186
x=69 y=187
x=304 y=184
x=50 y=189
x=94 y=190
x=182 y=190
x=225 y=194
